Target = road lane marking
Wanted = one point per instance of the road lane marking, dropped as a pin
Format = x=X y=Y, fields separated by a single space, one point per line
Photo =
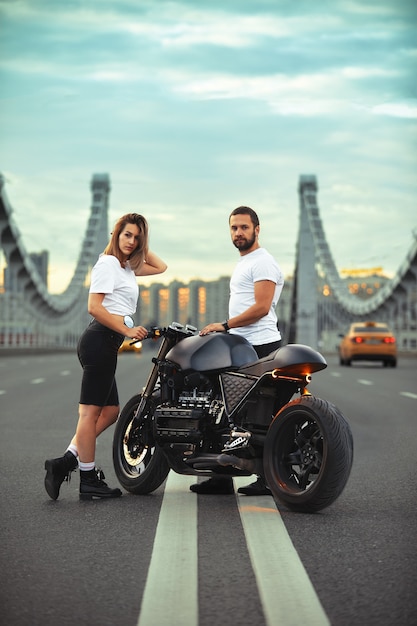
x=286 y=592
x=2 y=392
x=287 y=595
x=65 y=372
x=37 y=381
x=363 y=381
x=173 y=571
x=408 y=394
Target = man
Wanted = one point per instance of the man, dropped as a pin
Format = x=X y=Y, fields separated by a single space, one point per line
x=255 y=288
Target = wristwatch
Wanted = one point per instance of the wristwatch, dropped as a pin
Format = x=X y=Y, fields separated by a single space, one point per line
x=225 y=325
x=128 y=321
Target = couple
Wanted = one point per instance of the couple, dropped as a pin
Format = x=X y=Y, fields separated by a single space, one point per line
x=255 y=287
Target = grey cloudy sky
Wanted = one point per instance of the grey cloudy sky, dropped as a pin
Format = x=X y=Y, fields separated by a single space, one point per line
x=196 y=107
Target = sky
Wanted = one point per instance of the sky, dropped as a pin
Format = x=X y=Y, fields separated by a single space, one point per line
x=195 y=107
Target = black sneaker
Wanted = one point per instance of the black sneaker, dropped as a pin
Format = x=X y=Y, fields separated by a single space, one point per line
x=258 y=488
x=219 y=485
x=92 y=485
x=58 y=470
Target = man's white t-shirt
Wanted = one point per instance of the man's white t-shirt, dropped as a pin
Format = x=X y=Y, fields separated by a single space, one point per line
x=251 y=268
x=117 y=283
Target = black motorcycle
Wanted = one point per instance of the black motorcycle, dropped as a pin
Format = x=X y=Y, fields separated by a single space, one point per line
x=211 y=407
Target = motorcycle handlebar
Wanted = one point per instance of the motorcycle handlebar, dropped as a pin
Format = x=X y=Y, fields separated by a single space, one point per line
x=155 y=332
x=160 y=331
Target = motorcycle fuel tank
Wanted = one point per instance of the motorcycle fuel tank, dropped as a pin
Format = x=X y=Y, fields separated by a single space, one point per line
x=212 y=352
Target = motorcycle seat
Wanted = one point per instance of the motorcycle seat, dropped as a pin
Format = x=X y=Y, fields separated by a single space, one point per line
x=293 y=358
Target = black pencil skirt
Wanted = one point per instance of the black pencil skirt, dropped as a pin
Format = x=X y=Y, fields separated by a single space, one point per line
x=97 y=352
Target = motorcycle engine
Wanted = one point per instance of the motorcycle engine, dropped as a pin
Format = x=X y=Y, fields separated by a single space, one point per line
x=185 y=420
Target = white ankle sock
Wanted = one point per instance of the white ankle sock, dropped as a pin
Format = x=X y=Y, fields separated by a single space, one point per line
x=86 y=467
x=73 y=449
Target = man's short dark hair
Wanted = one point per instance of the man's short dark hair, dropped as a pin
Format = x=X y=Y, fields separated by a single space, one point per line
x=246 y=210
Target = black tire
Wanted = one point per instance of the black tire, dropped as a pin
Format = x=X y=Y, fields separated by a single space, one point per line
x=140 y=468
x=308 y=454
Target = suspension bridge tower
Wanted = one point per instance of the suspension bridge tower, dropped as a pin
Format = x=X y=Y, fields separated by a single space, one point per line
x=30 y=316
x=100 y=189
x=304 y=307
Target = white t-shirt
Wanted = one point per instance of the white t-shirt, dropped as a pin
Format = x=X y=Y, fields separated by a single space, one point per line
x=251 y=268
x=117 y=283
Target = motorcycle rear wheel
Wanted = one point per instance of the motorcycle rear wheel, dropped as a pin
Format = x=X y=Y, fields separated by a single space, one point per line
x=308 y=454
x=140 y=468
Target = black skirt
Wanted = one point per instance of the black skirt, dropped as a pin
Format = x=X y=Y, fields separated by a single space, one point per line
x=97 y=352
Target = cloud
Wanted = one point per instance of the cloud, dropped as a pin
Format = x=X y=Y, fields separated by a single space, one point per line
x=397 y=109
x=195 y=108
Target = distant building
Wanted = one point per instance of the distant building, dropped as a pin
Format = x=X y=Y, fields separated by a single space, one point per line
x=197 y=303
x=363 y=285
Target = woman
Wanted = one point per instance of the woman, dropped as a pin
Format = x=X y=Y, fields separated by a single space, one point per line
x=112 y=300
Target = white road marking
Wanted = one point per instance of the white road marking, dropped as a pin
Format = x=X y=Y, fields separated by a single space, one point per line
x=2 y=392
x=65 y=372
x=363 y=381
x=286 y=592
x=173 y=571
x=408 y=394
x=335 y=374
x=287 y=595
x=37 y=381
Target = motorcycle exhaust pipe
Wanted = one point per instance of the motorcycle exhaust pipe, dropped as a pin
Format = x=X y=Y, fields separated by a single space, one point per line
x=247 y=465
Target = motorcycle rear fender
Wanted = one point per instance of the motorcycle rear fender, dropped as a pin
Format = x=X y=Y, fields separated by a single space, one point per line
x=292 y=359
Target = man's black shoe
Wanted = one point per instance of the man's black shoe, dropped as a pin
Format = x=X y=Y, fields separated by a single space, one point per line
x=223 y=485
x=92 y=485
x=58 y=470
x=258 y=488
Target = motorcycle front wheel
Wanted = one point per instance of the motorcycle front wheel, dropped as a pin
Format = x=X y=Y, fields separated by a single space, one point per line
x=139 y=464
x=308 y=454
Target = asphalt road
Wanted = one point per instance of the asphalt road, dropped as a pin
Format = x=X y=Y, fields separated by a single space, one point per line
x=90 y=563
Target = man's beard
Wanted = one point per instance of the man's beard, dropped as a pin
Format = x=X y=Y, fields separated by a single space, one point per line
x=245 y=244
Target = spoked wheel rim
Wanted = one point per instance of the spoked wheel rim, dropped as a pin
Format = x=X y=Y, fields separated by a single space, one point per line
x=135 y=454
x=139 y=463
x=299 y=453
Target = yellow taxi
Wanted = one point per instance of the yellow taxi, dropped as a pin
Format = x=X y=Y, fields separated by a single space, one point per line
x=128 y=346
x=368 y=341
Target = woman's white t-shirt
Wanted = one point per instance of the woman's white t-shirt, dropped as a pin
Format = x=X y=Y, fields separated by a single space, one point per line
x=117 y=283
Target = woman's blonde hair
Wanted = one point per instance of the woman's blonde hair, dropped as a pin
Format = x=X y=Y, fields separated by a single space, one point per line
x=138 y=256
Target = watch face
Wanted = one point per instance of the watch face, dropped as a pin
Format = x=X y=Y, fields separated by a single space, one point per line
x=128 y=321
